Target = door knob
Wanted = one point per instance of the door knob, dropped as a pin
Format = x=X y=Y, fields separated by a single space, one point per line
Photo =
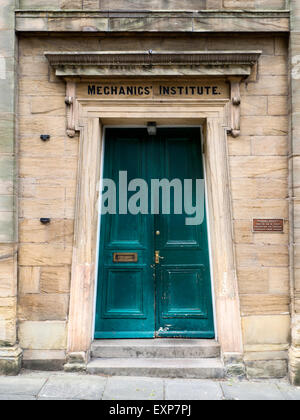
x=157 y=233
x=158 y=257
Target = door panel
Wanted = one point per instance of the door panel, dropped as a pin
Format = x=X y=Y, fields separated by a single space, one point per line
x=184 y=301
x=141 y=298
x=125 y=298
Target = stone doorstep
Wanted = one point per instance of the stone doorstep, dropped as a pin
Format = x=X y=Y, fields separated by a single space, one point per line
x=155 y=348
x=158 y=367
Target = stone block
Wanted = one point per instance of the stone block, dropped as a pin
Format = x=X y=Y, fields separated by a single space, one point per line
x=31 y=24
x=45 y=360
x=43 y=307
x=294 y=366
x=267 y=85
x=254 y=4
x=258 y=166
x=39 y=4
x=264 y=126
x=268 y=329
x=269 y=145
x=266 y=369
x=237 y=42
x=45 y=254
x=248 y=209
x=251 y=106
x=37 y=208
x=8 y=270
x=7 y=127
x=239 y=146
x=10 y=364
x=55 y=279
x=251 y=391
x=134 y=5
x=40 y=86
x=261 y=304
x=253 y=280
x=266 y=355
x=45 y=335
x=242 y=231
x=48 y=167
x=71 y=4
x=120 y=388
x=279 y=281
x=278 y=105
x=273 y=65
x=193 y=389
x=32 y=231
x=74 y=388
x=29 y=280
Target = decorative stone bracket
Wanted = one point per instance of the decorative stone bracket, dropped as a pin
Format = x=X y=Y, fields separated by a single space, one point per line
x=234 y=66
x=70 y=102
x=235 y=106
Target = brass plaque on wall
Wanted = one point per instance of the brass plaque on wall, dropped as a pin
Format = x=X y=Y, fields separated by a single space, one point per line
x=125 y=257
x=267 y=225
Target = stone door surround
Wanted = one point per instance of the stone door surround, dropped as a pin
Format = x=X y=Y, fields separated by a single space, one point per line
x=88 y=116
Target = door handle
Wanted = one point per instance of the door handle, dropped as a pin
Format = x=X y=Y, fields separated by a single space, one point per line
x=158 y=257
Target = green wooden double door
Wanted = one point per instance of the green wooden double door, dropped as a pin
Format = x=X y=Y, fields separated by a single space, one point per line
x=153 y=276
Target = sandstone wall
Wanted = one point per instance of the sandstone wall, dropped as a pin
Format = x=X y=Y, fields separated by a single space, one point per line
x=259 y=180
x=153 y=4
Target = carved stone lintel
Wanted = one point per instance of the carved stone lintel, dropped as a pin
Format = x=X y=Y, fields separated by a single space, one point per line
x=235 y=108
x=70 y=102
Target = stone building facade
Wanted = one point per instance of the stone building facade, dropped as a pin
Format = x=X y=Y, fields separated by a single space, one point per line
x=50 y=52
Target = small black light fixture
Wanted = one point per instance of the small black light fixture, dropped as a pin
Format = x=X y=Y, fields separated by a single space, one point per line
x=45 y=220
x=45 y=137
x=151 y=128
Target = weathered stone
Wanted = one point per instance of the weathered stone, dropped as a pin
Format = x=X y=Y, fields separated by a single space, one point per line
x=55 y=279
x=45 y=254
x=253 y=280
x=133 y=5
x=43 y=307
x=264 y=304
x=39 y=4
x=44 y=335
x=44 y=360
x=269 y=329
x=10 y=360
x=119 y=388
x=251 y=391
x=29 y=280
x=266 y=369
x=75 y=387
x=270 y=145
x=193 y=389
x=32 y=231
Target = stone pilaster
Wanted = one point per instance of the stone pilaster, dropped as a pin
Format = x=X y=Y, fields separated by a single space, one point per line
x=294 y=359
x=10 y=354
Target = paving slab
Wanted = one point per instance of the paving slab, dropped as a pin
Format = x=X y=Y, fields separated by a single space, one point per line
x=251 y=391
x=192 y=389
x=289 y=392
x=17 y=397
x=124 y=388
x=18 y=385
x=74 y=387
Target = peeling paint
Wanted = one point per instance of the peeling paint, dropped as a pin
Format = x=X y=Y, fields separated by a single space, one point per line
x=2 y=68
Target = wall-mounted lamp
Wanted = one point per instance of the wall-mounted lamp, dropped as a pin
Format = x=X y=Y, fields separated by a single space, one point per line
x=151 y=128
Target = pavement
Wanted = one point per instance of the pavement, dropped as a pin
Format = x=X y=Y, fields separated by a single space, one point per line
x=35 y=385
